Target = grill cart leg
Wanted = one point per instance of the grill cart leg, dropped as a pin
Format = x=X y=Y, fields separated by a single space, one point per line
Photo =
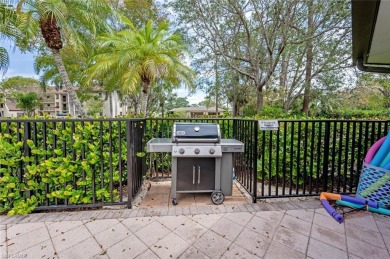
x=174 y=181
x=217 y=197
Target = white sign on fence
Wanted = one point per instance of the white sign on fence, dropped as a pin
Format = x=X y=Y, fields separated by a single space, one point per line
x=269 y=124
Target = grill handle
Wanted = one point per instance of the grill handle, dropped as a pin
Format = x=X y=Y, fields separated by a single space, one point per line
x=198 y=174
x=193 y=174
x=196 y=140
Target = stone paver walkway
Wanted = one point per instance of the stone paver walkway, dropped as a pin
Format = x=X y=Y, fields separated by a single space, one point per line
x=159 y=195
x=262 y=230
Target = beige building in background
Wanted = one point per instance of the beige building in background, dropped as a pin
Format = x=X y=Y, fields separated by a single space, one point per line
x=10 y=110
x=55 y=104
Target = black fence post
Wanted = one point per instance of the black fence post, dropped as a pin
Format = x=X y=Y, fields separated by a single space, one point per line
x=255 y=143
x=27 y=151
x=130 y=158
x=143 y=148
x=234 y=128
x=325 y=167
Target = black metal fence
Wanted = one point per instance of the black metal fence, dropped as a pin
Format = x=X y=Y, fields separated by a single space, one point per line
x=245 y=164
x=301 y=158
x=307 y=157
x=91 y=163
x=71 y=163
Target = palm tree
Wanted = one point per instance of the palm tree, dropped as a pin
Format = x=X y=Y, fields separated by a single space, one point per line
x=8 y=30
x=67 y=21
x=75 y=62
x=12 y=27
x=138 y=57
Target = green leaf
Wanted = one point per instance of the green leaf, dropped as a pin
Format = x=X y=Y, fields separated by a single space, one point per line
x=11 y=185
x=58 y=152
x=68 y=193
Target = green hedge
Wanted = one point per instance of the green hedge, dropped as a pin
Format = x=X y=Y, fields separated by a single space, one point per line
x=58 y=166
x=301 y=153
x=361 y=114
x=60 y=160
x=298 y=161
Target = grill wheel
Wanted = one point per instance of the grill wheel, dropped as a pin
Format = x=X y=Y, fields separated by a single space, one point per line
x=217 y=197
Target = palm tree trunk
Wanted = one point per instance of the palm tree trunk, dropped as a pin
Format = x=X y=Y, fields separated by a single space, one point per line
x=144 y=104
x=111 y=108
x=74 y=102
x=144 y=98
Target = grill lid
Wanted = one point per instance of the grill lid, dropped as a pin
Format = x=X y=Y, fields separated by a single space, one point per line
x=196 y=132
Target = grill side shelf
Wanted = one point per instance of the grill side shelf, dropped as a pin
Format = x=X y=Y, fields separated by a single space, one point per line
x=159 y=145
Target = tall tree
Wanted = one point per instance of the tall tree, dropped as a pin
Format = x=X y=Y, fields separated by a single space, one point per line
x=216 y=85
x=327 y=42
x=260 y=29
x=309 y=55
x=138 y=57
x=70 y=21
x=16 y=84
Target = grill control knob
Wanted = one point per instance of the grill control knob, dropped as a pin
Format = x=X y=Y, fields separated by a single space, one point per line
x=196 y=150
x=212 y=151
x=181 y=151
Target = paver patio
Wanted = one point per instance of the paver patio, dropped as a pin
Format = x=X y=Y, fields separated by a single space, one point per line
x=225 y=231
x=159 y=195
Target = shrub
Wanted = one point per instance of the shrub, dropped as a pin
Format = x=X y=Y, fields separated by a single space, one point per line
x=59 y=163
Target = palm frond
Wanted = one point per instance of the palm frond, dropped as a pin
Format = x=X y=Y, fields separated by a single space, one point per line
x=4 y=60
x=130 y=55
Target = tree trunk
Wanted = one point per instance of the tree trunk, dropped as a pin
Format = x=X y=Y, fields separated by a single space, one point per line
x=73 y=100
x=234 y=109
x=386 y=93
x=309 y=59
x=387 y=101
x=260 y=99
x=144 y=98
x=283 y=73
x=283 y=80
x=216 y=85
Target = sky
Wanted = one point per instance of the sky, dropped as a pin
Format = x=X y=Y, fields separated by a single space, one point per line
x=21 y=64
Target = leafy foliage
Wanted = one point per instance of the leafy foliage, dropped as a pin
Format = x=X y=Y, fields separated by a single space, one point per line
x=136 y=58
x=18 y=82
x=27 y=102
x=61 y=163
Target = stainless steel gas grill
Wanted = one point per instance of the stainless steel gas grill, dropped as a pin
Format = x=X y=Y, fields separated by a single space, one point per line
x=201 y=160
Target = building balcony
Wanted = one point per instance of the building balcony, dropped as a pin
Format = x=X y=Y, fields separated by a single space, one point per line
x=48 y=109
